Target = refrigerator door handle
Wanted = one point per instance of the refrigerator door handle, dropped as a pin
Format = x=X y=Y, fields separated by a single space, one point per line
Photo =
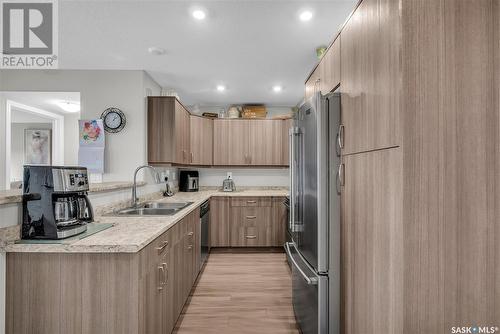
x=309 y=280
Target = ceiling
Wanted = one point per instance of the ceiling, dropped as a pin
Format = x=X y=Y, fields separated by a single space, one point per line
x=43 y=100
x=248 y=46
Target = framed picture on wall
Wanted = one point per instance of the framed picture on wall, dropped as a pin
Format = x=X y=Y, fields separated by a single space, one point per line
x=38 y=146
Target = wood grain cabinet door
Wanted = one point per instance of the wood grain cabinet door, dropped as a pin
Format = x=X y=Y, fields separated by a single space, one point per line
x=201 y=140
x=287 y=124
x=219 y=222
x=313 y=82
x=372 y=243
x=370 y=76
x=230 y=142
x=264 y=142
x=330 y=77
x=182 y=131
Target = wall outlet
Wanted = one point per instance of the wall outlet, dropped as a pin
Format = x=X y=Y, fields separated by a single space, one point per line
x=229 y=175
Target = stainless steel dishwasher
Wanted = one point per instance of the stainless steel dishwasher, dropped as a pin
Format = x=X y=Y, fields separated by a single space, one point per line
x=205 y=231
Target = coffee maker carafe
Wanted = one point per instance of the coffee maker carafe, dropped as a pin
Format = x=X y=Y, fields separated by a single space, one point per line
x=55 y=202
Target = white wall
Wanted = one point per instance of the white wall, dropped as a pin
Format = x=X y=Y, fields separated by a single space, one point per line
x=99 y=89
x=17 y=147
x=245 y=177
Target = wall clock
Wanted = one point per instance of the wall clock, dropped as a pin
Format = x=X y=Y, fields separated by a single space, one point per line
x=114 y=120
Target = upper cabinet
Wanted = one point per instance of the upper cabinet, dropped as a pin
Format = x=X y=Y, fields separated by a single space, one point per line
x=230 y=142
x=312 y=84
x=168 y=131
x=175 y=136
x=370 y=77
x=326 y=76
x=248 y=142
x=330 y=68
x=201 y=140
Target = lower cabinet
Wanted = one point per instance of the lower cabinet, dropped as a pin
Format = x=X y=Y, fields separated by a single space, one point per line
x=247 y=221
x=113 y=293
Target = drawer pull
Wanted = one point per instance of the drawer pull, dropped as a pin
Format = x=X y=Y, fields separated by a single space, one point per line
x=161 y=275
x=251 y=217
x=251 y=236
x=162 y=247
x=165 y=273
x=190 y=234
x=251 y=202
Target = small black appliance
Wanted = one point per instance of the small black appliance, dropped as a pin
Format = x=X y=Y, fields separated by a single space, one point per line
x=55 y=202
x=188 y=180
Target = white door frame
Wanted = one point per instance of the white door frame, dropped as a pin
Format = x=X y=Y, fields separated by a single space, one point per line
x=57 y=134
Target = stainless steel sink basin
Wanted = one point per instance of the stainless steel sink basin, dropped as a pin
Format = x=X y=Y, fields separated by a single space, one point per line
x=147 y=212
x=153 y=209
x=176 y=206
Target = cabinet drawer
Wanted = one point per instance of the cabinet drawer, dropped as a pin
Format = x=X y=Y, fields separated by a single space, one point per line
x=251 y=201
x=249 y=226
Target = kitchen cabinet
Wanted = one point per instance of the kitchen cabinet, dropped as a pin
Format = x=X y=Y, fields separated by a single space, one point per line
x=287 y=124
x=230 y=142
x=313 y=82
x=220 y=221
x=249 y=226
x=265 y=141
x=240 y=221
x=371 y=77
x=330 y=68
x=372 y=242
x=114 y=293
x=168 y=131
x=248 y=142
x=326 y=76
x=201 y=140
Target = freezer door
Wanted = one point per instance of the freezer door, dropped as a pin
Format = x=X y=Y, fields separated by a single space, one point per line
x=309 y=295
x=312 y=168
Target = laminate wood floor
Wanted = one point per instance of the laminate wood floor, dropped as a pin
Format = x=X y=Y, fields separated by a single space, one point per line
x=240 y=293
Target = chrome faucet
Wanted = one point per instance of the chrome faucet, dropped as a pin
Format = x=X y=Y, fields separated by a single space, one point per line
x=156 y=177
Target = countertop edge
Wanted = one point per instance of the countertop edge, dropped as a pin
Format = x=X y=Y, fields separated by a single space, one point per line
x=76 y=248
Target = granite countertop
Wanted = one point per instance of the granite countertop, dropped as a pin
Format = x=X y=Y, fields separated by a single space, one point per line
x=131 y=234
x=15 y=195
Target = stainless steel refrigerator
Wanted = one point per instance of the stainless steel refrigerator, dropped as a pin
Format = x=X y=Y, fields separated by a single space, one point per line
x=314 y=222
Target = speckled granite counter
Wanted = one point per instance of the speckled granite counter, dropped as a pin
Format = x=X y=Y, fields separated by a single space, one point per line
x=131 y=234
x=15 y=195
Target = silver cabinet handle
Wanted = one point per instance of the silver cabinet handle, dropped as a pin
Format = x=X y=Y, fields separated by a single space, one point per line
x=251 y=217
x=339 y=179
x=161 y=274
x=162 y=246
x=251 y=202
x=190 y=234
x=340 y=138
x=192 y=157
x=251 y=236
x=309 y=280
x=165 y=273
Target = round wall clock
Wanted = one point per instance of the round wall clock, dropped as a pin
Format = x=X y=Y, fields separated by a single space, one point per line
x=114 y=120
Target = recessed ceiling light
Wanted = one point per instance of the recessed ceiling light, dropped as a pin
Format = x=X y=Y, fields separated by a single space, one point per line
x=277 y=89
x=154 y=50
x=305 y=15
x=221 y=88
x=199 y=14
x=68 y=106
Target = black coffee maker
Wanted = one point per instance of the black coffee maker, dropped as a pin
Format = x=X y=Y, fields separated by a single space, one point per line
x=55 y=202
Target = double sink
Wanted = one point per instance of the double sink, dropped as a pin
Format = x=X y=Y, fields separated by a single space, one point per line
x=153 y=209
